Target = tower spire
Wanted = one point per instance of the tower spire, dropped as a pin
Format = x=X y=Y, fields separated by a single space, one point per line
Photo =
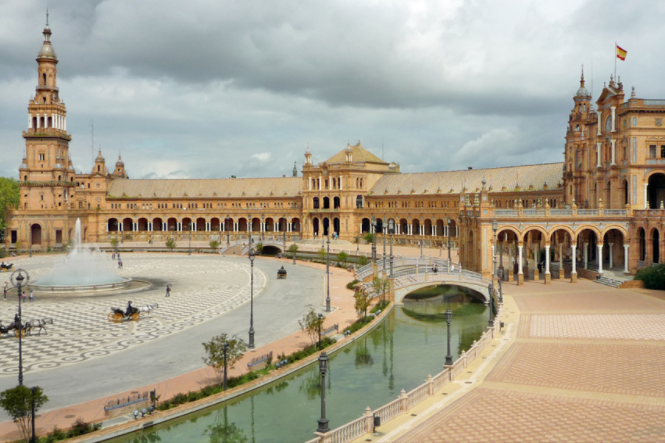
x=46 y=15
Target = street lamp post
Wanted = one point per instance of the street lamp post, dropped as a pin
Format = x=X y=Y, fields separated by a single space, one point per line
x=320 y=321
x=284 y=233
x=449 y=317
x=228 y=233
x=17 y=279
x=34 y=392
x=263 y=226
x=383 y=234
x=190 y=238
x=490 y=288
x=323 y=367
x=495 y=227
x=328 y=276
x=226 y=348
x=373 y=240
x=448 y=222
x=250 y=345
x=391 y=231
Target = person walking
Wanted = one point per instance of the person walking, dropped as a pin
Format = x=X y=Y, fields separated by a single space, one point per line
x=23 y=296
x=168 y=291
x=32 y=296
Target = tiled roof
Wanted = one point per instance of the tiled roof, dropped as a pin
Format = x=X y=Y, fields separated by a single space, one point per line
x=359 y=153
x=454 y=181
x=206 y=188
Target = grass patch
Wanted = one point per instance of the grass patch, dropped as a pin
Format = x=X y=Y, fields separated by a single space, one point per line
x=380 y=306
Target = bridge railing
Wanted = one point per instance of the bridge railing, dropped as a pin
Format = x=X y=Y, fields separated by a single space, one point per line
x=407 y=401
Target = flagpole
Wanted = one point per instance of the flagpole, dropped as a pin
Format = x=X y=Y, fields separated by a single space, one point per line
x=615 y=61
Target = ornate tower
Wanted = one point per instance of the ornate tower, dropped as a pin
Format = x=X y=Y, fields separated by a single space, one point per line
x=577 y=146
x=46 y=173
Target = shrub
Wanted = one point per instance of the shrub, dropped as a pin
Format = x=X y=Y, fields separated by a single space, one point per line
x=362 y=260
x=653 y=277
x=359 y=324
x=352 y=285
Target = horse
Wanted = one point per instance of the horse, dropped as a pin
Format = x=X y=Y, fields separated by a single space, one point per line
x=147 y=308
x=38 y=323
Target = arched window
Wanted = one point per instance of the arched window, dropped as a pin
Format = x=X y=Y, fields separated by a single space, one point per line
x=359 y=202
x=608 y=124
x=44 y=79
x=316 y=202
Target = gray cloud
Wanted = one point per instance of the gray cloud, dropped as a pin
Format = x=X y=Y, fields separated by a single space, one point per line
x=204 y=86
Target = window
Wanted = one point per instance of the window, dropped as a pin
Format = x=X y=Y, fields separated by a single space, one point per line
x=608 y=124
x=41 y=157
x=662 y=151
x=652 y=151
x=634 y=121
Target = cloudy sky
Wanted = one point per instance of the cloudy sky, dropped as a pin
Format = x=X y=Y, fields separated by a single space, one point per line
x=217 y=88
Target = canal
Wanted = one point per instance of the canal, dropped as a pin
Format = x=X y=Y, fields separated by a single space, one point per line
x=399 y=353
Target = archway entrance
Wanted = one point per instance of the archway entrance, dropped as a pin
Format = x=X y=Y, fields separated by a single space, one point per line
x=656 y=190
x=36 y=234
x=655 y=246
x=336 y=225
x=315 y=226
x=326 y=226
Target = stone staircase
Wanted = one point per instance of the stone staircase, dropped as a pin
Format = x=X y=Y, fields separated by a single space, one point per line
x=234 y=250
x=609 y=281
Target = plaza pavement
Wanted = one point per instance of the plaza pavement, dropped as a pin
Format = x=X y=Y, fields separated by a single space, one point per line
x=85 y=390
x=575 y=362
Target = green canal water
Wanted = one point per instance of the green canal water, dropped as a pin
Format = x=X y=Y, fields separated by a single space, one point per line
x=399 y=353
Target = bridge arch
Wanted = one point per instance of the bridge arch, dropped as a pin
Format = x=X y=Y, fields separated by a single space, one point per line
x=403 y=287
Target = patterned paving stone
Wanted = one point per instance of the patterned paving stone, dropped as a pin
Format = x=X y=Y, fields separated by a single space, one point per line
x=486 y=415
x=628 y=327
x=615 y=369
x=202 y=289
x=590 y=301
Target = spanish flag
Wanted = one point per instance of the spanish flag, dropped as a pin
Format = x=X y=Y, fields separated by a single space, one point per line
x=621 y=53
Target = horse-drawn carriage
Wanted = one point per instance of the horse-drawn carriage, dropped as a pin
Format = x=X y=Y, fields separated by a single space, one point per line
x=26 y=328
x=6 y=267
x=281 y=272
x=117 y=315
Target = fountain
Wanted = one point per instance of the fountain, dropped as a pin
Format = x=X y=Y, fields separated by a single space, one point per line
x=85 y=268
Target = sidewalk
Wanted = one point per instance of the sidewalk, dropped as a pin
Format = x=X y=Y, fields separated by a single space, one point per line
x=584 y=364
x=343 y=314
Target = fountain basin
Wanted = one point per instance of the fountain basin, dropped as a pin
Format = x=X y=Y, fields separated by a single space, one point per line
x=126 y=285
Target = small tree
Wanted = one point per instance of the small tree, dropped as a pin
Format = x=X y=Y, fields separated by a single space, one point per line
x=214 y=244
x=215 y=353
x=259 y=248
x=362 y=260
x=293 y=248
x=114 y=242
x=368 y=237
x=381 y=286
x=311 y=323
x=17 y=402
x=363 y=300
x=343 y=257
x=322 y=254
x=171 y=244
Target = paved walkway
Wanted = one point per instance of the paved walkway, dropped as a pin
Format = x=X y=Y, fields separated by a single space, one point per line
x=203 y=288
x=157 y=357
x=580 y=363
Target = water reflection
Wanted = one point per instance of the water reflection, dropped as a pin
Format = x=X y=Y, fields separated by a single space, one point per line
x=429 y=305
x=221 y=431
